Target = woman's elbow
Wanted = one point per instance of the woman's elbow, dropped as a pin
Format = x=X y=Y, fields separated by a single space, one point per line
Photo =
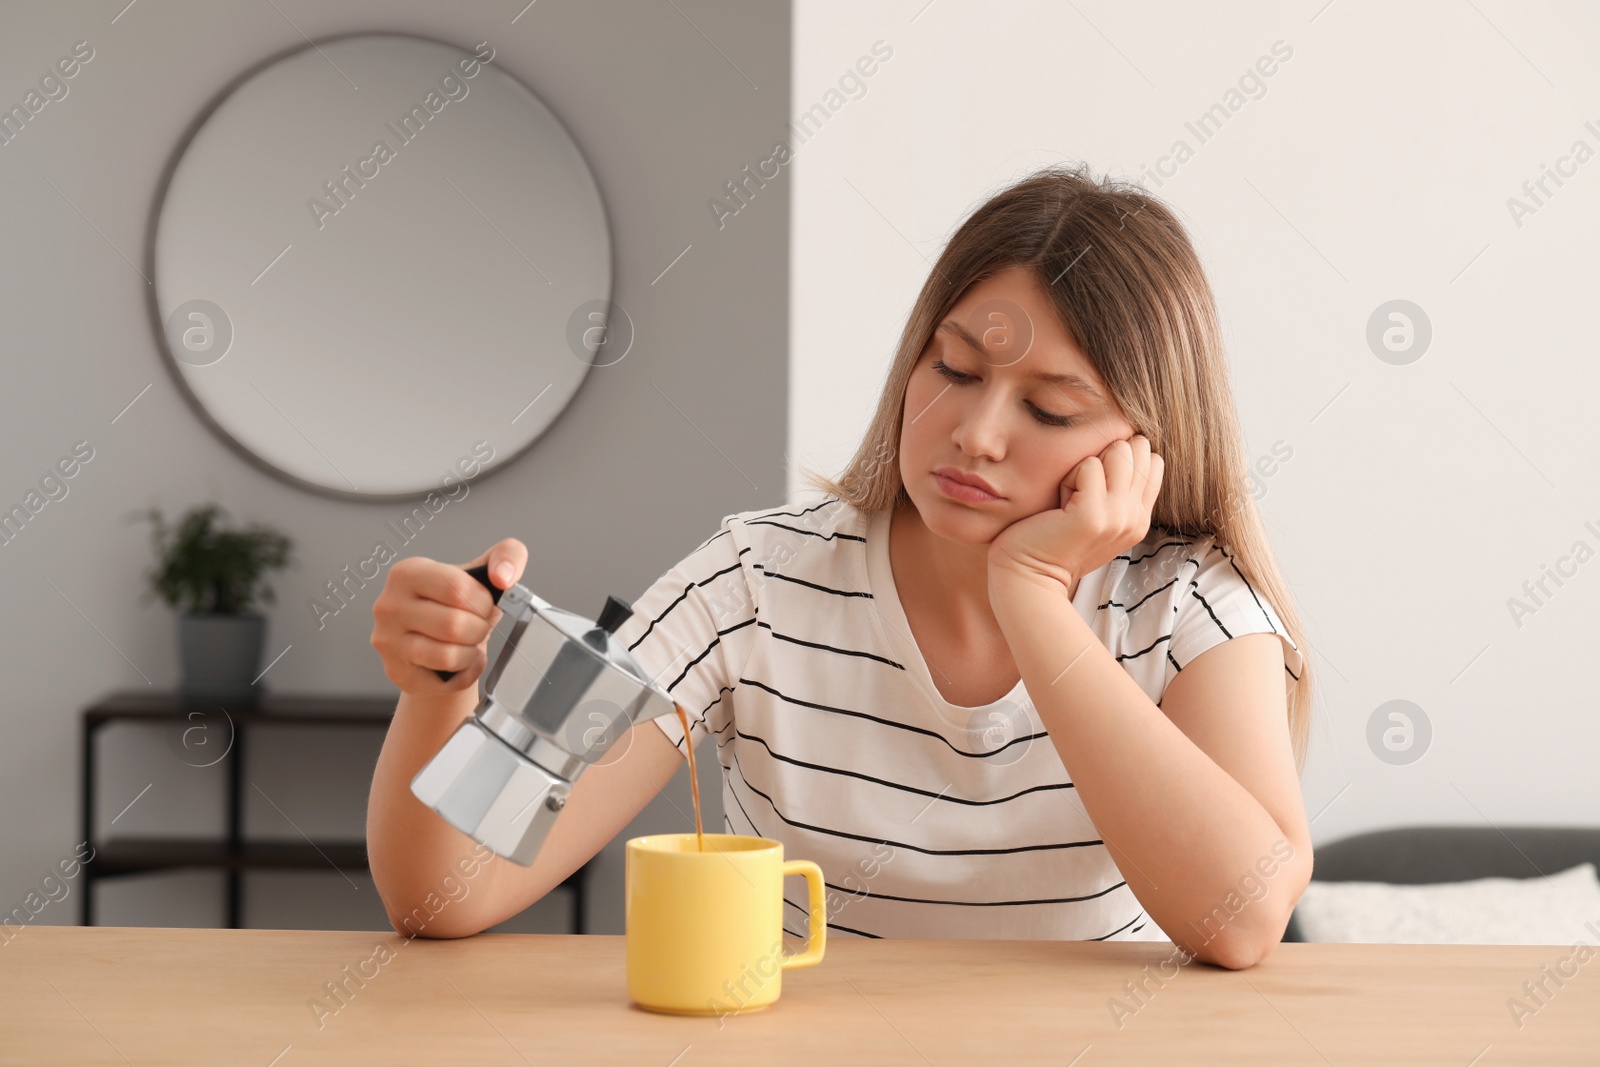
x=1245 y=935
x=1253 y=945
x=1243 y=945
x=420 y=922
x=1238 y=952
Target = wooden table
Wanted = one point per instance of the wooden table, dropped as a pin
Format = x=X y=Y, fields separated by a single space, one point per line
x=114 y=995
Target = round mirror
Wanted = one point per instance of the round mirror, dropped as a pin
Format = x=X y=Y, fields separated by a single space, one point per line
x=380 y=262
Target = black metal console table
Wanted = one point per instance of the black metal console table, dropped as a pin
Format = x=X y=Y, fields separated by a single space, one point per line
x=227 y=729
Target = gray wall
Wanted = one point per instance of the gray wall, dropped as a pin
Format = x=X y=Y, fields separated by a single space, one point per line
x=661 y=101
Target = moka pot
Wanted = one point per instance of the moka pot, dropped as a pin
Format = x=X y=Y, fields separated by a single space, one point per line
x=558 y=695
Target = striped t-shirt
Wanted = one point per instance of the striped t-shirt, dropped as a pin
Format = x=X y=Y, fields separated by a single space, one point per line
x=783 y=638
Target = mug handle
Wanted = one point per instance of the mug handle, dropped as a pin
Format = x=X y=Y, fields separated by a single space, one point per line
x=818 y=940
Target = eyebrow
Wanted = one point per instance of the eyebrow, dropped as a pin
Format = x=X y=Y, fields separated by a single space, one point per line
x=1071 y=381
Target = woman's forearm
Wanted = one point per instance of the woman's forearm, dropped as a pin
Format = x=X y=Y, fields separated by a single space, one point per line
x=432 y=879
x=1186 y=835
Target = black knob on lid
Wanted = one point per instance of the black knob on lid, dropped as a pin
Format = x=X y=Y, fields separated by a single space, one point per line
x=614 y=614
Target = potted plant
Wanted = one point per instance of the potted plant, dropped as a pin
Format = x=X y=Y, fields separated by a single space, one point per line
x=214 y=576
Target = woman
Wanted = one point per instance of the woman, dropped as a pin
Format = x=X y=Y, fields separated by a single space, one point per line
x=1008 y=676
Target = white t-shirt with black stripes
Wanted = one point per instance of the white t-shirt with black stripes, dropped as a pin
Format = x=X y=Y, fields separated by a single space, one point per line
x=783 y=638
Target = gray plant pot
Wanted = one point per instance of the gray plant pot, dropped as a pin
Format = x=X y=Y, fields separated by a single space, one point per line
x=220 y=655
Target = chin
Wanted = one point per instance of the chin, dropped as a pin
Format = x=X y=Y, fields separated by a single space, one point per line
x=954 y=521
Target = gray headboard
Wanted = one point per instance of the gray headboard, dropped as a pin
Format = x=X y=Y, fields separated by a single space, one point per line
x=1415 y=855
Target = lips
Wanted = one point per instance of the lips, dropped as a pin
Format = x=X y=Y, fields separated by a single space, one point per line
x=965 y=486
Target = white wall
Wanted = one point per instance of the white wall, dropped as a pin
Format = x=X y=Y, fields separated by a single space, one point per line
x=1377 y=165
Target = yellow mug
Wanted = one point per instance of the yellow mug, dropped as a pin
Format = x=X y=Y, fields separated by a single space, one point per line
x=705 y=929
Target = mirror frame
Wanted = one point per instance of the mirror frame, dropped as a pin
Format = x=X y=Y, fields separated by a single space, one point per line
x=158 y=326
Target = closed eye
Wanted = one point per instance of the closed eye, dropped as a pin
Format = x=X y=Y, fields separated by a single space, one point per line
x=1039 y=414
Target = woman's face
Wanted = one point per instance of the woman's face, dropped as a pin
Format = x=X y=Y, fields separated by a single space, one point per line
x=1003 y=394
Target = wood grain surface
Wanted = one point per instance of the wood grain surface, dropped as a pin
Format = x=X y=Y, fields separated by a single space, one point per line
x=115 y=995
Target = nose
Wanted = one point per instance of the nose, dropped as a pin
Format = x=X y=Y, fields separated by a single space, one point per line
x=980 y=431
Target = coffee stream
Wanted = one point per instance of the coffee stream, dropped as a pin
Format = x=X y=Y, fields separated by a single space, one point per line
x=694 y=779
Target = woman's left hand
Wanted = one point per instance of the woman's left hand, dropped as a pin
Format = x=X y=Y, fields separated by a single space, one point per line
x=1106 y=502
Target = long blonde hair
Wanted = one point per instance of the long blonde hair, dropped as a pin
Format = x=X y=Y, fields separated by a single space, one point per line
x=1127 y=285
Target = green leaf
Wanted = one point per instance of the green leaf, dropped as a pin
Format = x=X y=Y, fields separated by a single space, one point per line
x=203 y=568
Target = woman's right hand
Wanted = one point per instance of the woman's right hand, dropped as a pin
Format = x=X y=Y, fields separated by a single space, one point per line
x=433 y=616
